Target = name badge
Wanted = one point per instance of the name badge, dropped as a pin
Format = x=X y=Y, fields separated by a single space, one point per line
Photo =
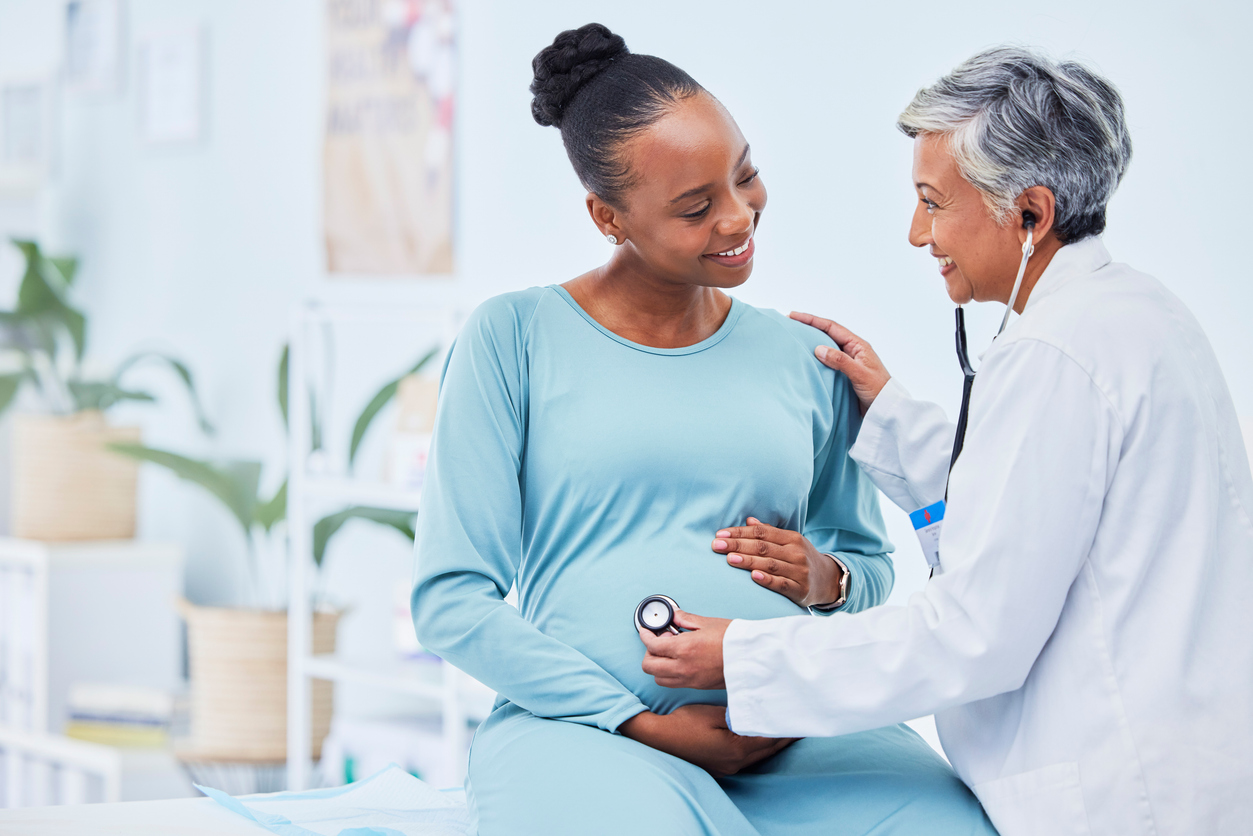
x=927 y=523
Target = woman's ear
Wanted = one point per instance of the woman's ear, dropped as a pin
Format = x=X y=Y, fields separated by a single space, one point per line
x=606 y=218
x=1039 y=204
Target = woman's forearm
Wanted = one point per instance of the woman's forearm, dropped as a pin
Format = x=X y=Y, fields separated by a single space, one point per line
x=462 y=618
x=469 y=539
x=698 y=734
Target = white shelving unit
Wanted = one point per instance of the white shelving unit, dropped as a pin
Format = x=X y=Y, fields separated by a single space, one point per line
x=60 y=624
x=429 y=681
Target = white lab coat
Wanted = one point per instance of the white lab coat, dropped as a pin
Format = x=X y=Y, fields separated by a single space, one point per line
x=1088 y=647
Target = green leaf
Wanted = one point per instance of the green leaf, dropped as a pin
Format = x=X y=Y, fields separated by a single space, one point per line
x=42 y=295
x=271 y=512
x=234 y=483
x=67 y=266
x=283 y=362
x=179 y=369
x=34 y=295
x=102 y=395
x=380 y=400
x=325 y=528
x=76 y=324
x=315 y=428
x=9 y=384
x=30 y=249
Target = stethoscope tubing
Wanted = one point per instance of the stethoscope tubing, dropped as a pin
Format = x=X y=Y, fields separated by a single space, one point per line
x=963 y=354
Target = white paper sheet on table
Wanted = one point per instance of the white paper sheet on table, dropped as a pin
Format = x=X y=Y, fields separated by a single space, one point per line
x=390 y=803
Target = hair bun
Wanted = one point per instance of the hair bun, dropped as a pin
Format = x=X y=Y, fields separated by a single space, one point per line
x=561 y=70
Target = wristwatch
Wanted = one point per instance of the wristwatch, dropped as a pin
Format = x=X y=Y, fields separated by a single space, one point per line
x=843 y=599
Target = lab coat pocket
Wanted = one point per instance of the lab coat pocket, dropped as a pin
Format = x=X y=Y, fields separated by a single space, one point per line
x=1043 y=801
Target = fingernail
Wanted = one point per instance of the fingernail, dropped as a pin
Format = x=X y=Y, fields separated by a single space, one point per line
x=723 y=533
x=758 y=576
x=735 y=558
x=720 y=544
x=821 y=351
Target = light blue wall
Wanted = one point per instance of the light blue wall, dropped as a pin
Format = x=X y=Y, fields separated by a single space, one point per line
x=204 y=249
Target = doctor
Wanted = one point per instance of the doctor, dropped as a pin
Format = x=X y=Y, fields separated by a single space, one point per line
x=1086 y=643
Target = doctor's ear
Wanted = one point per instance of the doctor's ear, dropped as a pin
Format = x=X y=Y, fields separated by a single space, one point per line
x=1036 y=207
x=607 y=219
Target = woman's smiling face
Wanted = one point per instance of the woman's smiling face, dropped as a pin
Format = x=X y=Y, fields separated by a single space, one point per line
x=690 y=214
x=976 y=253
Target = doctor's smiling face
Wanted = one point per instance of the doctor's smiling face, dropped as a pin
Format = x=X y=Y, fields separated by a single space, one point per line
x=978 y=253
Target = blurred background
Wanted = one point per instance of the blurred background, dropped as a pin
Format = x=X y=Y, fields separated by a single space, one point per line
x=298 y=202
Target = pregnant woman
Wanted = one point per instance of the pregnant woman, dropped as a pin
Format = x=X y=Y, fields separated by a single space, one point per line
x=586 y=438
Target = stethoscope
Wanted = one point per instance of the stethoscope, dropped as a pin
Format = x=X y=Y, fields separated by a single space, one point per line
x=656 y=613
x=963 y=356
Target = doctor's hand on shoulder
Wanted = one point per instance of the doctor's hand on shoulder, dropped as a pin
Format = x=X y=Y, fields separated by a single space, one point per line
x=782 y=561
x=855 y=359
x=698 y=734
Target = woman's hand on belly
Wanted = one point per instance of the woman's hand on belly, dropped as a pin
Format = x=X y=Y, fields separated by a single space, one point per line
x=782 y=561
x=698 y=734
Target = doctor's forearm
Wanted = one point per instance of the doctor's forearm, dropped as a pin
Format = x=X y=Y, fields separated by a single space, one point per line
x=904 y=446
x=1024 y=509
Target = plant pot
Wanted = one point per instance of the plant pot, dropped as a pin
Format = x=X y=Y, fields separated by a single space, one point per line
x=67 y=485
x=239 y=682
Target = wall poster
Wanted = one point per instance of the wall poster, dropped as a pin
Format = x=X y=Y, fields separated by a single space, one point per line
x=27 y=129
x=388 y=146
x=171 y=82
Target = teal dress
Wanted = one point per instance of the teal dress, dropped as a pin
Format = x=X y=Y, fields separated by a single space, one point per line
x=591 y=472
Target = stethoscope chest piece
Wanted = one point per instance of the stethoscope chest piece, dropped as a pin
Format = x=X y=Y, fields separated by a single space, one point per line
x=656 y=613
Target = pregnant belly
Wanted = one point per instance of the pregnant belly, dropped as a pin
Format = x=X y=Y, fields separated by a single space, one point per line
x=591 y=605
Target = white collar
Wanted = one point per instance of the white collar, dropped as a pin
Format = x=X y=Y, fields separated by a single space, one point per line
x=1070 y=262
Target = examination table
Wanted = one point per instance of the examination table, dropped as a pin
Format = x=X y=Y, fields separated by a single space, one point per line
x=391 y=803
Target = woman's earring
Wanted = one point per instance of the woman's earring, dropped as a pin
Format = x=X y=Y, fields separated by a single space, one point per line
x=612 y=239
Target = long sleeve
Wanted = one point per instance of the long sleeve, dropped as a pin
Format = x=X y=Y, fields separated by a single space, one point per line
x=1024 y=504
x=469 y=536
x=844 y=517
x=904 y=446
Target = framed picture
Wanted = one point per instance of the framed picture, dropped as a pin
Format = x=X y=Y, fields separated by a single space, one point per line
x=93 y=46
x=26 y=134
x=171 y=75
x=388 y=149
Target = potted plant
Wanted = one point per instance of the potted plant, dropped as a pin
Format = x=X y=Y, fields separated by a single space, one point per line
x=66 y=484
x=239 y=654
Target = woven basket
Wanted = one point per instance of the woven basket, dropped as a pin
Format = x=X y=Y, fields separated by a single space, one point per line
x=239 y=682
x=66 y=484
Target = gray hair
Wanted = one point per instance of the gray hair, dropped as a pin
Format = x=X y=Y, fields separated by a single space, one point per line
x=1015 y=119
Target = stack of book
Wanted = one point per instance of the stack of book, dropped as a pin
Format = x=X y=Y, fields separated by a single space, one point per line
x=118 y=715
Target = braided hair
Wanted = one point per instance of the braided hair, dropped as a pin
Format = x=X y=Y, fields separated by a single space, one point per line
x=599 y=94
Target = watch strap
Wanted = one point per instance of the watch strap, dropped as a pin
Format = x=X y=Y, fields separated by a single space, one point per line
x=844 y=582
